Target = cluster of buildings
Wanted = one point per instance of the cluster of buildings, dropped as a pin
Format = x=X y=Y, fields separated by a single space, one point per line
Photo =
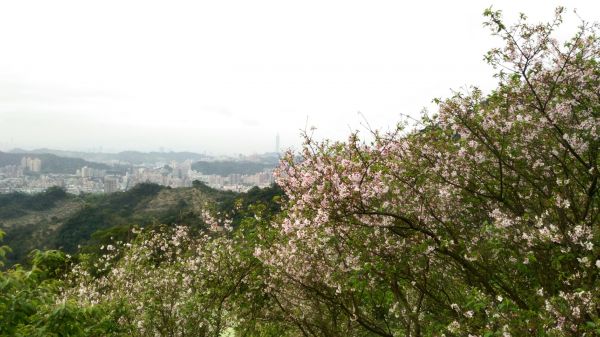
x=237 y=182
x=89 y=172
x=15 y=178
x=31 y=164
x=173 y=175
x=12 y=180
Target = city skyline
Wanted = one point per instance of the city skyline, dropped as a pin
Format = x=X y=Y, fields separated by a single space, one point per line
x=23 y=174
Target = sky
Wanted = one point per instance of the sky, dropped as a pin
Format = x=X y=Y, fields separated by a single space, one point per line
x=225 y=77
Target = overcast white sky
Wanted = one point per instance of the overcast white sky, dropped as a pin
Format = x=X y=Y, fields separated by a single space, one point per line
x=227 y=76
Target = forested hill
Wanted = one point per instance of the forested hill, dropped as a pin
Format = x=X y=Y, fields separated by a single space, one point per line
x=51 y=163
x=57 y=220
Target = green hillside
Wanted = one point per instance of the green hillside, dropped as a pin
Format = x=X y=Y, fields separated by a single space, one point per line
x=57 y=220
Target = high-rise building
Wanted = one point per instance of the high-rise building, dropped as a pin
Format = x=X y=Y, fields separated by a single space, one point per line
x=277 y=143
x=86 y=172
x=31 y=164
x=36 y=165
x=89 y=172
x=111 y=184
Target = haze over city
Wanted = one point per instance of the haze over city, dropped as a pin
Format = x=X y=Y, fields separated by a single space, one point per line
x=226 y=77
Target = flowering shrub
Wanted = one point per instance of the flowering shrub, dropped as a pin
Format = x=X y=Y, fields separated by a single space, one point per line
x=170 y=282
x=484 y=222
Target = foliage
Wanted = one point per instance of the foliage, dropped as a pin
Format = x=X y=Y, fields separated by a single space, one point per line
x=23 y=238
x=26 y=294
x=170 y=282
x=16 y=204
x=100 y=219
x=105 y=212
x=50 y=226
x=180 y=281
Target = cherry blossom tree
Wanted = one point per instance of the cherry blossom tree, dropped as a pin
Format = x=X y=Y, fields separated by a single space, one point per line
x=483 y=221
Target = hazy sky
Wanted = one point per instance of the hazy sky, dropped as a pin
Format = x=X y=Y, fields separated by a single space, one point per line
x=227 y=76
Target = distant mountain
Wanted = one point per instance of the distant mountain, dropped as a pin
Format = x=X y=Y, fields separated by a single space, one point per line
x=227 y=167
x=125 y=157
x=51 y=163
x=136 y=158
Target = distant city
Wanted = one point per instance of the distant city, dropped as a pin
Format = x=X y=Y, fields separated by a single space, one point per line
x=36 y=171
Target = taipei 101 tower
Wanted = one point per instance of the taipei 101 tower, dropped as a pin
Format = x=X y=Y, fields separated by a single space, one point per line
x=277 y=143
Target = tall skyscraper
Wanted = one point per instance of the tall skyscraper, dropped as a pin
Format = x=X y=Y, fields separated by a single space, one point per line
x=277 y=143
